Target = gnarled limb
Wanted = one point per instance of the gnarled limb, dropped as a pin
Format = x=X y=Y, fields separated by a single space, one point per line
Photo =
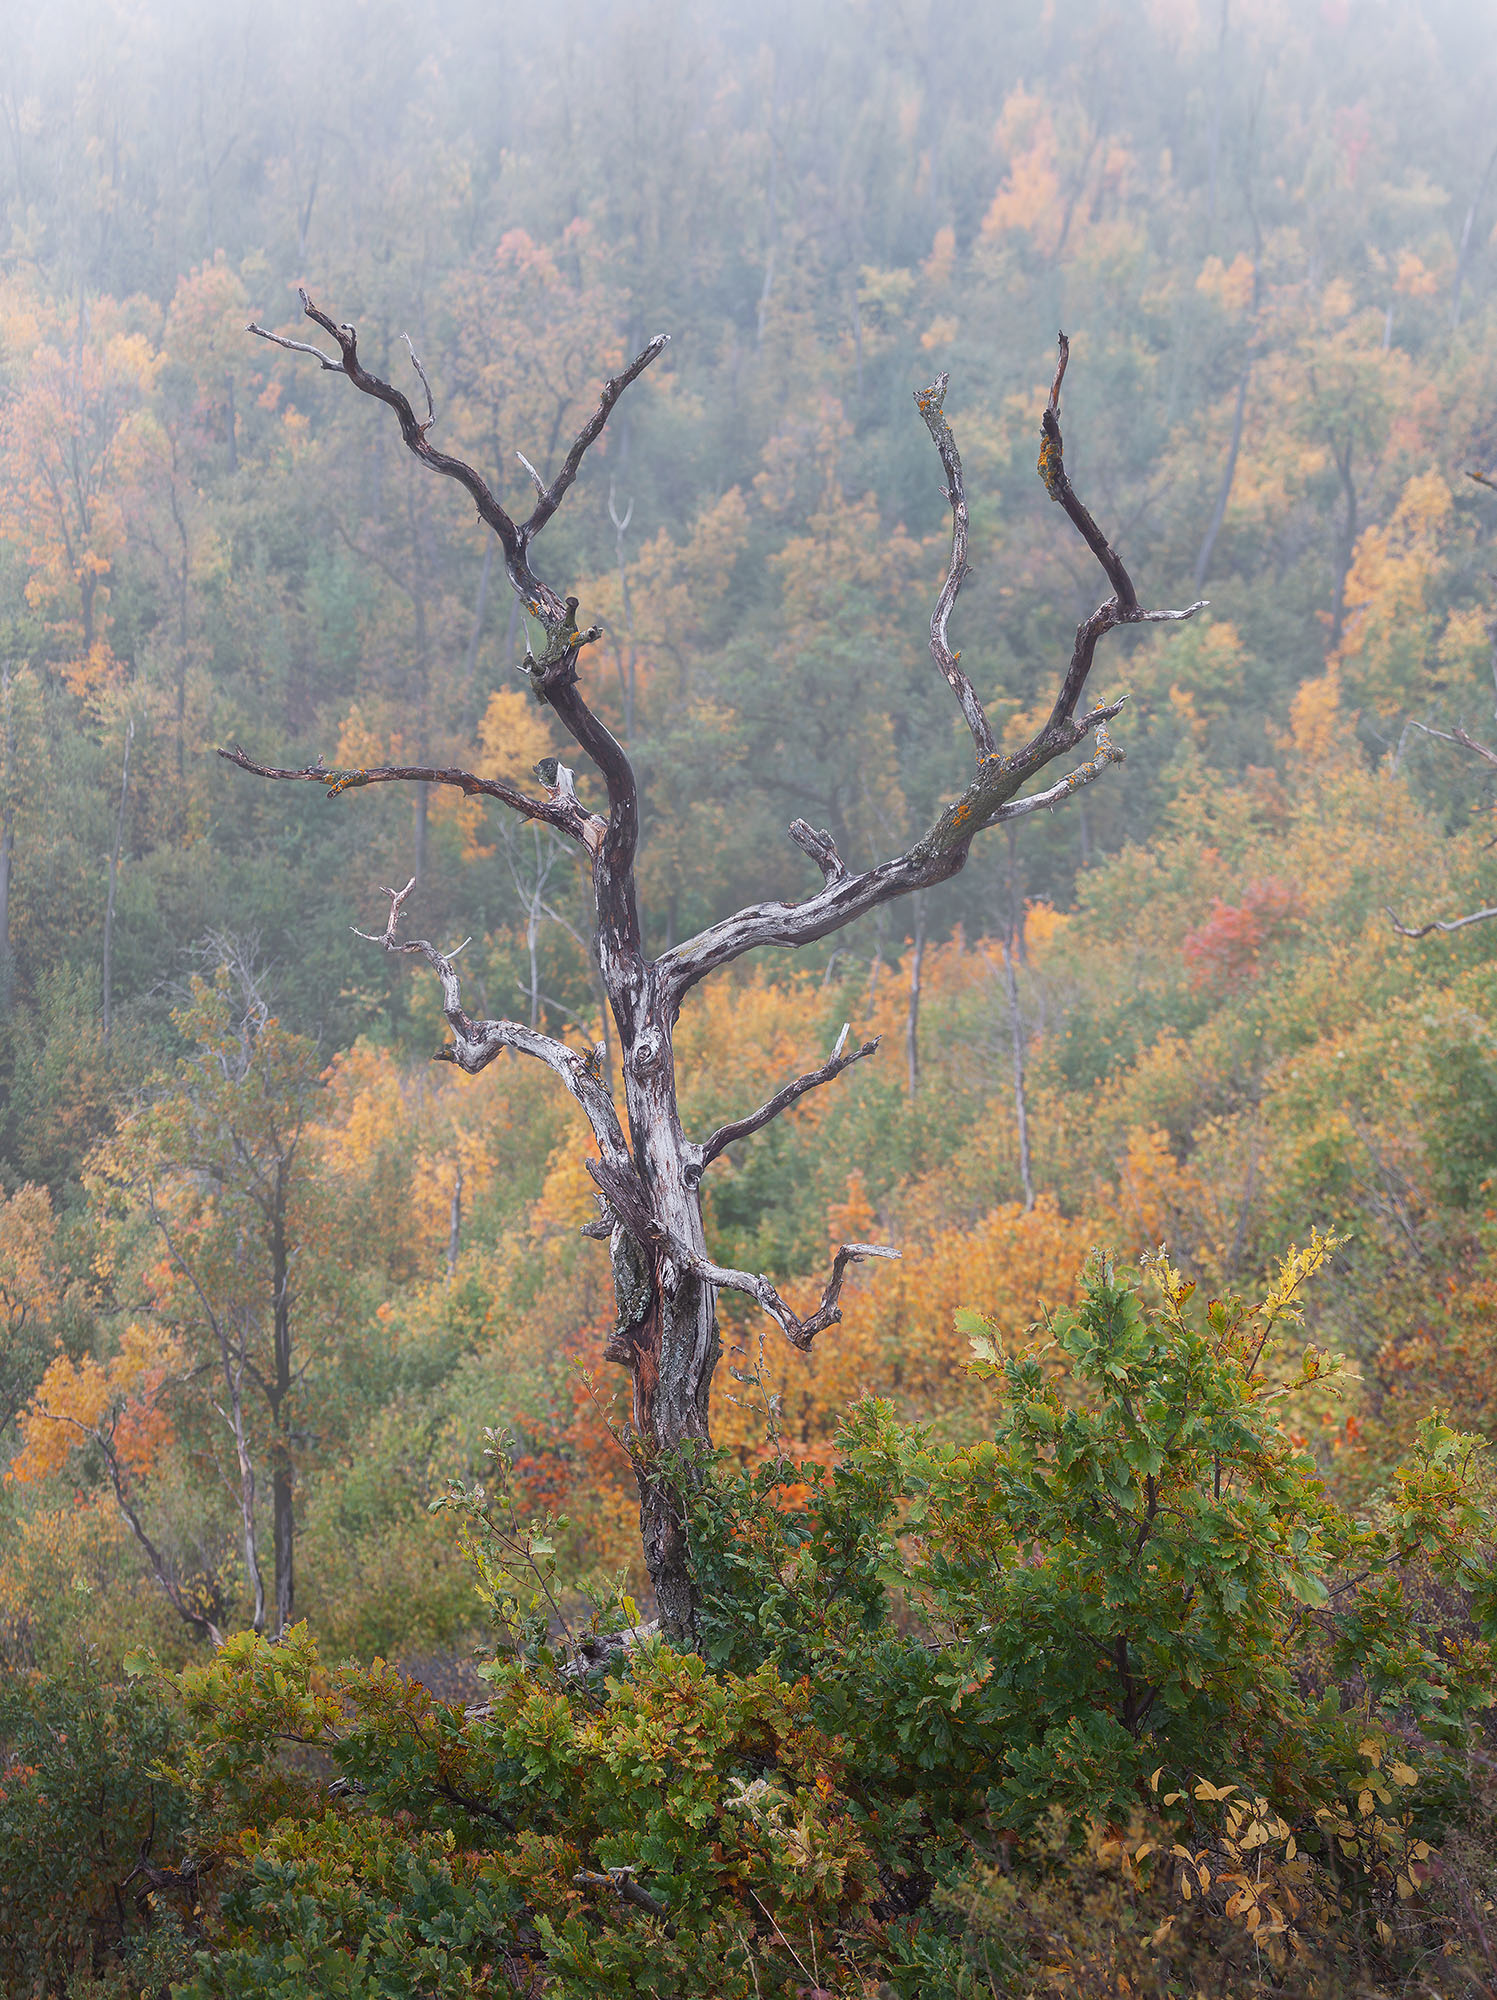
x=992 y=797
x=649 y=1184
x=475 y=1044
x=565 y=812
x=740 y=1128
x=1106 y=753
x=799 y=1332
x=1462 y=738
x=554 y=675
x=931 y=405
x=1454 y=924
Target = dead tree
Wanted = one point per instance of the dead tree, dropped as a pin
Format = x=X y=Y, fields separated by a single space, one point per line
x=649 y=1172
x=1463 y=740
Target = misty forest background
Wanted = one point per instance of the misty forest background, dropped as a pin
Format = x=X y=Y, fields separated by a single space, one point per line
x=1271 y=232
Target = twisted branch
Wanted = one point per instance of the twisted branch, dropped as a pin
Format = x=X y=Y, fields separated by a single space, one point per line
x=930 y=403
x=799 y=1332
x=475 y=1044
x=564 y=812
x=993 y=796
x=740 y=1128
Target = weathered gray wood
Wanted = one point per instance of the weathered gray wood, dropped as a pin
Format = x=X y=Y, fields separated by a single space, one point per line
x=649 y=1172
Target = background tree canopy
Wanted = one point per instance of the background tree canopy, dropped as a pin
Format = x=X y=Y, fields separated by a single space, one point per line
x=268 y=1277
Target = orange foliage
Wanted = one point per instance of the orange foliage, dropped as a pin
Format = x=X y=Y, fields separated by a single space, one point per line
x=120 y=1401
x=28 y=1284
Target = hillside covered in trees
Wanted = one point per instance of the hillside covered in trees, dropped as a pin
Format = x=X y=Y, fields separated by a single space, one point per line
x=301 y=1336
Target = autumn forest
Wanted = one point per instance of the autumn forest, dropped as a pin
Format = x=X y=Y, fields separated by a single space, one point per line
x=1094 y=1592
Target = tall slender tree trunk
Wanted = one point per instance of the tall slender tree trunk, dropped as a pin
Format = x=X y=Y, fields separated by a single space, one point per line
x=233 y=1366
x=1224 y=491
x=114 y=869
x=455 y=1223
x=912 y=1017
x=1016 y=1026
x=1468 y=238
x=7 y=852
x=1348 y=546
x=7 y=831
x=283 y=1469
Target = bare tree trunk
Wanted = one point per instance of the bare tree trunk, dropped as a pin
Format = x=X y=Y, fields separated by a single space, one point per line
x=912 y=1016
x=283 y=1470
x=1016 y=1029
x=625 y=656
x=7 y=852
x=1468 y=237
x=673 y=1347
x=470 y=665
x=1348 y=547
x=114 y=868
x=233 y=1367
x=1021 y=1108
x=1214 y=143
x=1224 y=492
x=455 y=1223
x=649 y=1182
x=7 y=831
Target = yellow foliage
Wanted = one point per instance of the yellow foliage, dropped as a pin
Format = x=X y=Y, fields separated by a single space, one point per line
x=941 y=262
x=1390 y=623
x=940 y=333
x=360 y=745
x=565 y=1201
x=1029 y=197
x=1317 y=728
x=513 y=735
x=1415 y=280
x=28 y=1230
x=1229 y=285
x=1042 y=922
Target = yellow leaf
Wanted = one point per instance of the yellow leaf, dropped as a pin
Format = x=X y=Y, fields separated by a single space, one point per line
x=1404 y=1774
x=1206 y=1790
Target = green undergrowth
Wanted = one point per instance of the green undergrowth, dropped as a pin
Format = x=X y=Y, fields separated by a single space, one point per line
x=1118 y=1700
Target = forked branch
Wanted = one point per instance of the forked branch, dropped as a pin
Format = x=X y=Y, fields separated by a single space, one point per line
x=475 y=1043
x=741 y=1128
x=553 y=676
x=515 y=537
x=799 y=1332
x=995 y=794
